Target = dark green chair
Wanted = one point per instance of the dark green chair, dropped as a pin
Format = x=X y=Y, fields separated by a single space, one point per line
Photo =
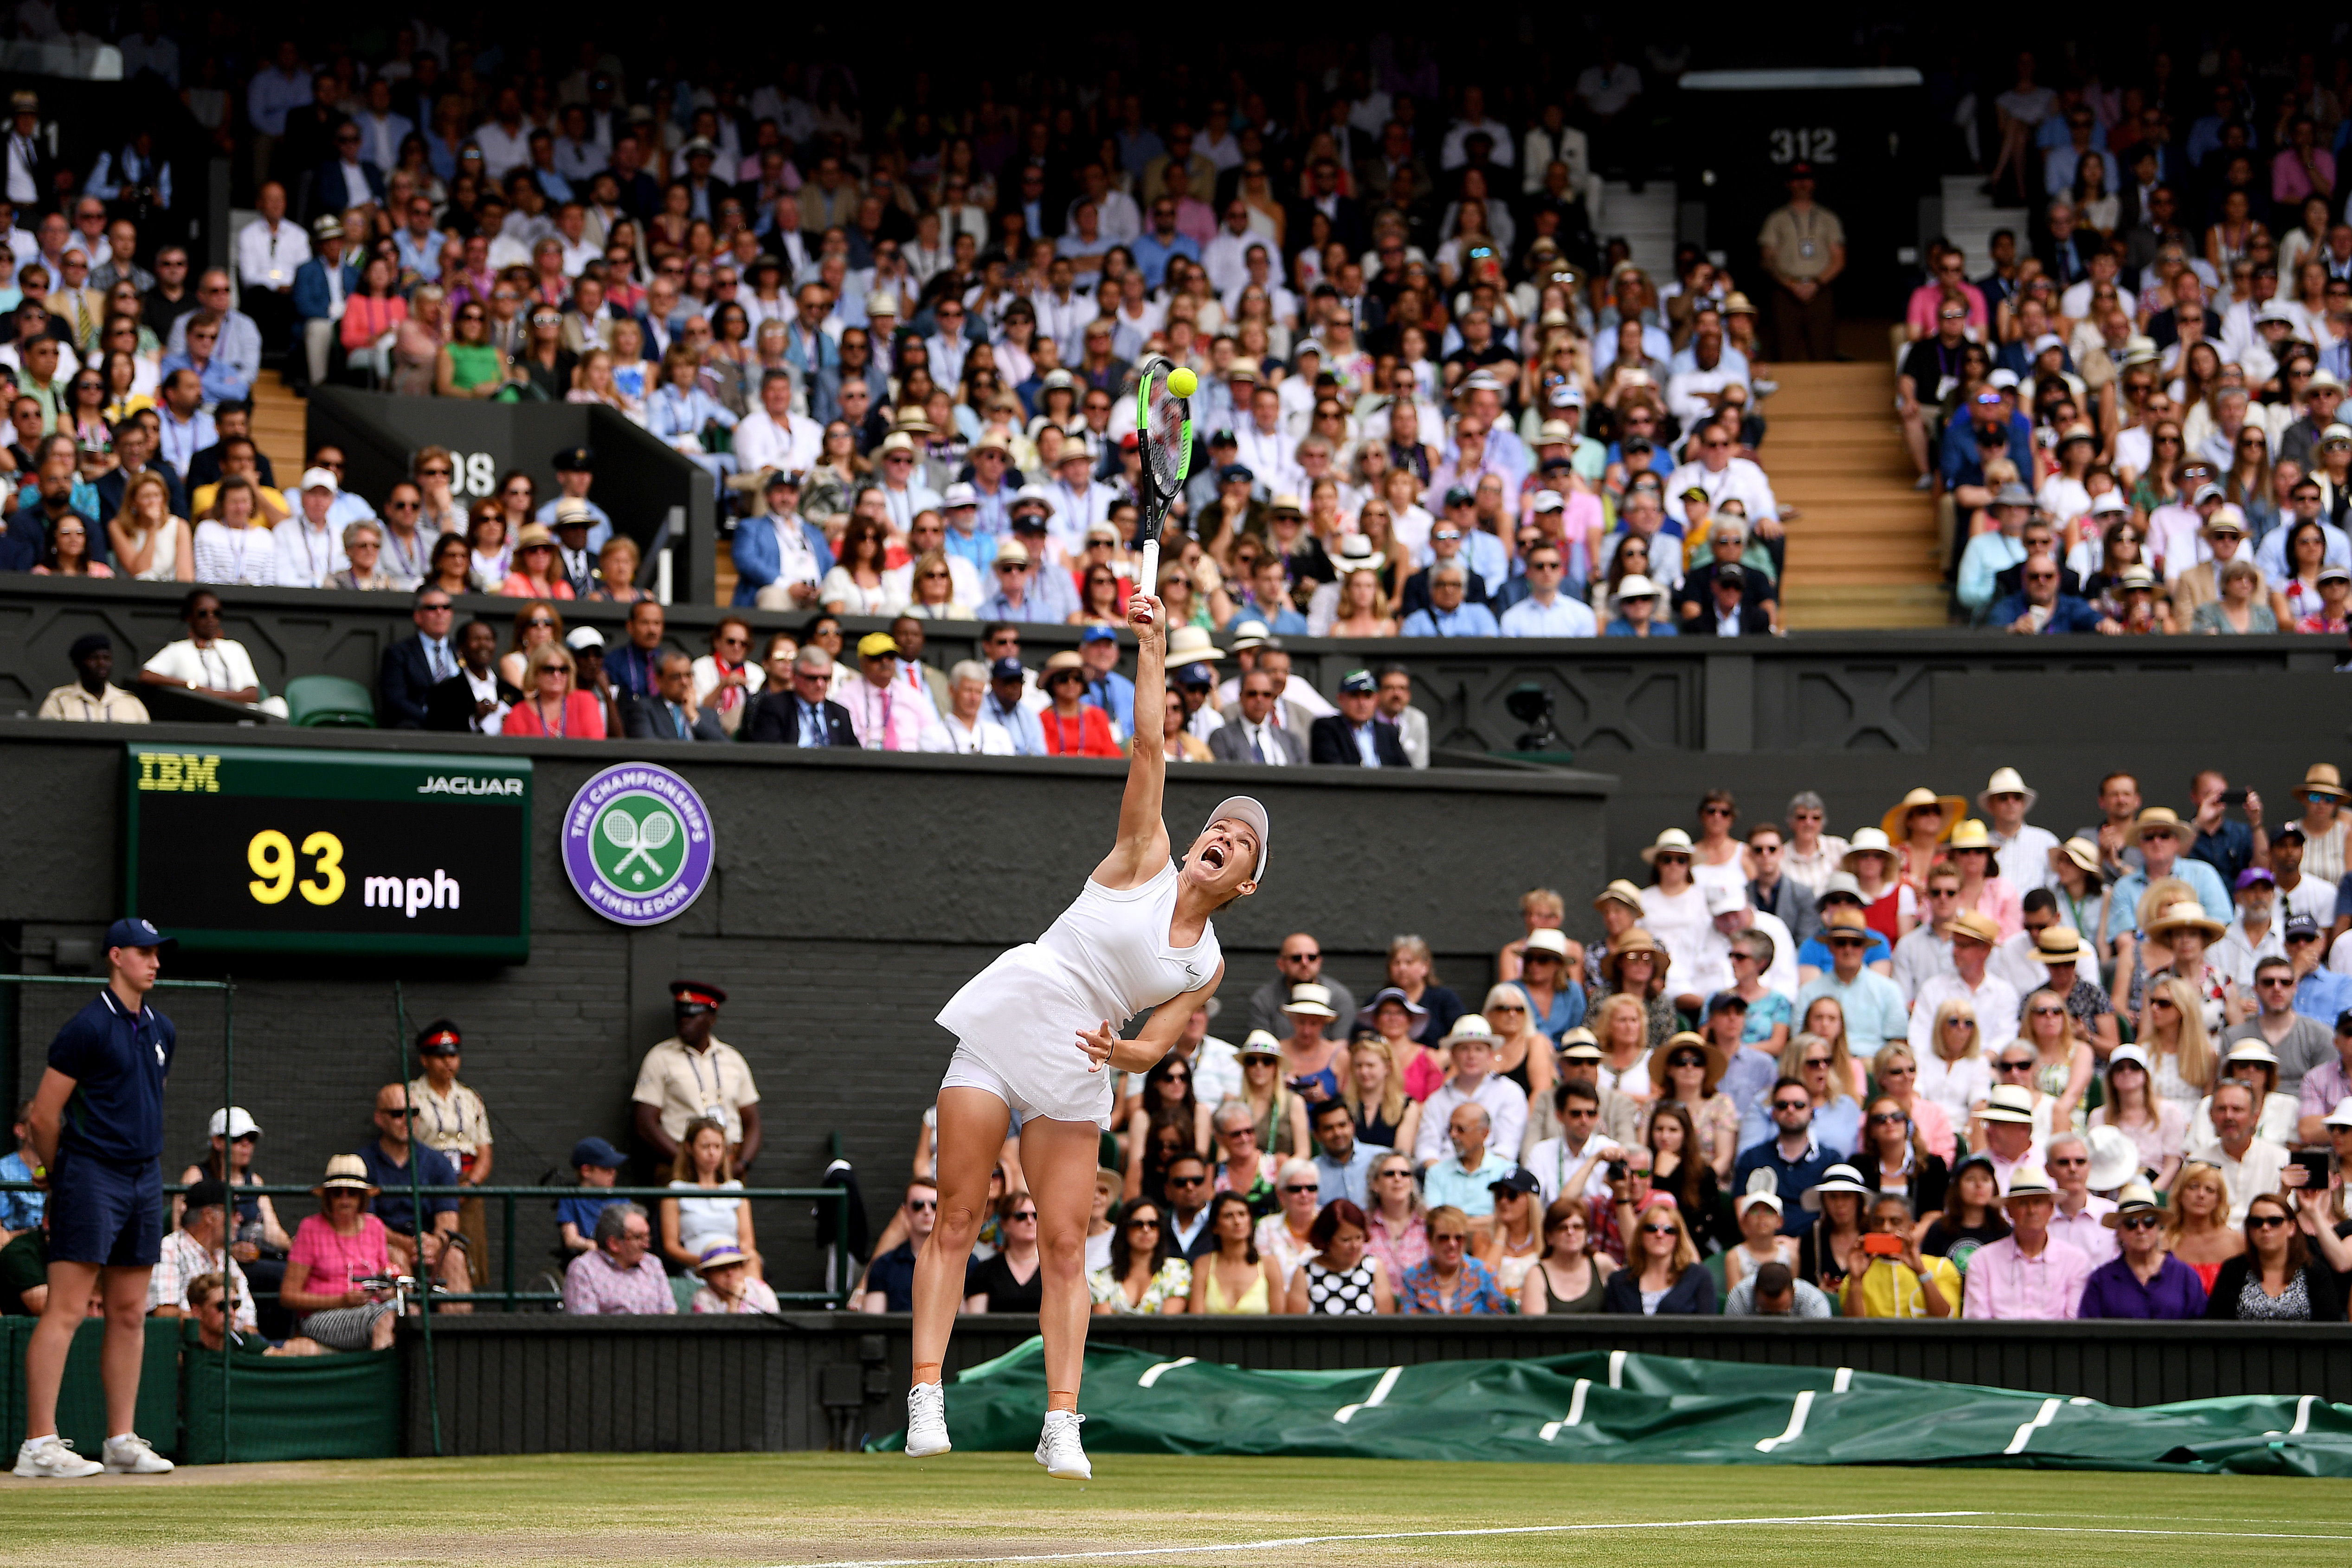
x=329 y=702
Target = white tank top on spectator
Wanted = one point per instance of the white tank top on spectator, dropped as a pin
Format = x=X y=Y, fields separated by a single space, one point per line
x=704 y=1223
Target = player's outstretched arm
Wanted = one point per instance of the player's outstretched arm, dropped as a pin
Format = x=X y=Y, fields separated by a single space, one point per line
x=1142 y=851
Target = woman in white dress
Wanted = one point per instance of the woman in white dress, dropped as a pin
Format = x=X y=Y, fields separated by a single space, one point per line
x=1035 y=1031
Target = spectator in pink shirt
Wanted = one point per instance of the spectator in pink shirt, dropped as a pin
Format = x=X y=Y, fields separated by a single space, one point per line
x=1951 y=271
x=333 y=1250
x=2028 y=1274
x=621 y=1276
x=2302 y=168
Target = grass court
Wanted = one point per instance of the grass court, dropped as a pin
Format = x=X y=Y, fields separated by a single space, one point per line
x=746 y=1511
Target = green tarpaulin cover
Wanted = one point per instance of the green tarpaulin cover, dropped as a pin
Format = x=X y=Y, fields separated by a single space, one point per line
x=290 y=1408
x=1615 y=1407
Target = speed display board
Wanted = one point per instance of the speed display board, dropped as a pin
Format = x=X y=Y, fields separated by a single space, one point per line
x=239 y=849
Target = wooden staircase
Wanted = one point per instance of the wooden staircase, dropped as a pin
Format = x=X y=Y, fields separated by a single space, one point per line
x=1864 y=553
x=279 y=421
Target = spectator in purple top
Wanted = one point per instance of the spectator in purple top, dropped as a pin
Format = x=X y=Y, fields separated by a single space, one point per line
x=2146 y=1280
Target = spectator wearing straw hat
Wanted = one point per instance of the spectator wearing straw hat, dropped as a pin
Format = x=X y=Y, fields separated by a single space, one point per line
x=2253 y=1063
x=1872 y=1003
x=334 y=1250
x=2056 y=958
x=1840 y=901
x=1502 y=1104
x=2020 y=851
x=2144 y=1279
x=1556 y=1003
x=2325 y=822
x=1974 y=936
x=2029 y=1274
x=2163 y=841
x=1637 y=600
x=2005 y=1125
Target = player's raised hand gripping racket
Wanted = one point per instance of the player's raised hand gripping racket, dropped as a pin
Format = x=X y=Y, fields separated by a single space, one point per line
x=1163 y=429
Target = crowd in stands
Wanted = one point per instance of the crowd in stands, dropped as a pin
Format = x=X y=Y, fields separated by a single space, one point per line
x=2132 y=406
x=886 y=329
x=1951 y=1066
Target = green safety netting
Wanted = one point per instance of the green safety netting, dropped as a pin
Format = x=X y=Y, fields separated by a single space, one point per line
x=1616 y=1407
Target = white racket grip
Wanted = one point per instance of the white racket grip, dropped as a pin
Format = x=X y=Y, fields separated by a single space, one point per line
x=1151 y=584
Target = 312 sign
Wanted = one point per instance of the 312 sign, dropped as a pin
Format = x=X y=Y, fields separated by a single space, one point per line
x=1804 y=143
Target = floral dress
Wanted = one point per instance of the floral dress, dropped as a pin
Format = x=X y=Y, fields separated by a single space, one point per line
x=1174 y=1282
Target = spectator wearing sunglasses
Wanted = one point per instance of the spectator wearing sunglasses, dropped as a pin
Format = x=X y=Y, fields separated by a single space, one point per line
x=890 y=1279
x=2279 y=1277
x=2143 y=1281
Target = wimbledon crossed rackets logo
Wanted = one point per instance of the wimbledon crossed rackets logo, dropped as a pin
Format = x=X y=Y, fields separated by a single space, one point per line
x=637 y=843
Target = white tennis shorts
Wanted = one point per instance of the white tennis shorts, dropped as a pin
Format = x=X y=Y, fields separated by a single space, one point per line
x=1056 y=1096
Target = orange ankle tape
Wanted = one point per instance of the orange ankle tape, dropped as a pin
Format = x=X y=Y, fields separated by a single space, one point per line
x=926 y=1372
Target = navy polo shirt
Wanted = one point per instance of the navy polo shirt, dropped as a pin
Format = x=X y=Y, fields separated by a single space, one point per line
x=1795 y=1176
x=392 y=1204
x=893 y=1274
x=118 y=1062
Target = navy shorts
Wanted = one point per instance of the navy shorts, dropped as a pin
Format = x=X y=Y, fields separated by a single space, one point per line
x=106 y=1214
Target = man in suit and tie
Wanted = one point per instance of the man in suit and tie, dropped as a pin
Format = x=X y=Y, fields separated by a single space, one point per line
x=414 y=666
x=1250 y=733
x=667 y=713
x=803 y=716
x=474 y=700
x=1350 y=738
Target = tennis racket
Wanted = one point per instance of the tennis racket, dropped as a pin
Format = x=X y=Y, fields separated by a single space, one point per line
x=1164 y=430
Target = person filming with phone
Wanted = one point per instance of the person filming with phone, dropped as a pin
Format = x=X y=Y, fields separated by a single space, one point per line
x=1896 y=1280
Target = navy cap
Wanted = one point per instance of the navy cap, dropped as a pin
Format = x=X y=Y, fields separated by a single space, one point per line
x=1196 y=674
x=1235 y=474
x=1726 y=1002
x=132 y=931
x=1224 y=438
x=597 y=1153
x=576 y=460
x=1457 y=496
x=2301 y=925
x=1098 y=634
x=1358 y=681
x=211 y=1193
x=1518 y=1181
x=1007 y=668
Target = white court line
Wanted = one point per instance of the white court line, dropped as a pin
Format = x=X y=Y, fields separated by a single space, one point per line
x=1797 y=1415
x=1575 y=1410
x=1395 y=1535
x=1868 y=1523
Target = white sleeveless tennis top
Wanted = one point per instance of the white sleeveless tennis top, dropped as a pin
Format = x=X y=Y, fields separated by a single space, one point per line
x=1107 y=957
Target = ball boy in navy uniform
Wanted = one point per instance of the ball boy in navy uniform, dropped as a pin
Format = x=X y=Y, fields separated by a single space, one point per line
x=97 y=1127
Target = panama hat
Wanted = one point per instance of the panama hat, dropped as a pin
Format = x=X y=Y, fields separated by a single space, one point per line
x=2251 y=1050
x=2082 y=851
x=2136 y=1197
x=2341 y=1115
x=2008 y=1103
x=2157 y=819
x=719 y=1256
x=1578 y=1044
x=1868 y=841
x=1837 y=1179
x=1190 y=644
x=1897 y=822
x=1469 y=1027
x=1692 y=1040
x=1619 y=891
x=1357 y=554
x=2114 y=1158
x=2059 y=944
x=2029 y=1181
x=1260 y=1043
x=2007 y=781
x=1673 y=841
x=347 y=1172
x=1968 y=834
x=2321 y=778
x=1313 y=1000
x=1631 y=942
x=1841 y=885
x=1971 y=923
x=2186 y=912
x=1545 y=939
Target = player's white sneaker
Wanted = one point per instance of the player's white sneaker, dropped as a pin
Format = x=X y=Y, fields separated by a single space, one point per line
x=927 y=1420
x=1058 y=1449
x=134 y=1456
x=52 y=1458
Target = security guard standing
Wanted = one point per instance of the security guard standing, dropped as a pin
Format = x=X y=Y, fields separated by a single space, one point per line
x=1803 y=248
x=693 y=1073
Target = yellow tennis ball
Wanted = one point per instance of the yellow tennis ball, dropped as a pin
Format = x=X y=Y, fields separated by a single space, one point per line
x=1183 y=382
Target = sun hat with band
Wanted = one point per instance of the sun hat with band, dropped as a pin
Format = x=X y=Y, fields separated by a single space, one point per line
x=1977 y=926
x=2009 y=781
x=719 y=1256
x=2182 y=915
x=1837 y=1179
x=1260 y=1043
x=1469 y=1027
x=2323 y=779
x=1628 y=943
x=1619 y=891
x=1897 y=823
x=1549 y=943
x=2059 y=944
x=1310 y=1000
x=2157 y=819
x=1712 y=1060
x=2029 y=1181
x=1673 y=841
x=2008 y=1103
x=2083 y=853
x=345 y=1172
x=2135 y=1198
x=1867 y=841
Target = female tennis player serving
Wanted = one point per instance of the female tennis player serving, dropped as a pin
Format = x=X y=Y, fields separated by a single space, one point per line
x=1035 y=1032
